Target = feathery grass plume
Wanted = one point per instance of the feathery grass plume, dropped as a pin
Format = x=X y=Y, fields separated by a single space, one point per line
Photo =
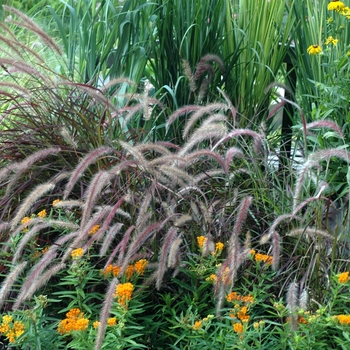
x=136 y=154
x=302 y=174
x=264 y=239
x=203 y=66
x=68 y=137
x=121 y=247
x=10 y=280
x=153 y=147
x=206 y=132
x=169 y=238
x=189 y=75
x=174 y=256
x=142 y=218
x=82 y=166
x=310 y=231
x=325 y=124
x=201 y=113
x=34 y=274
x=230 y=153
x=140 y=239
x=276 y=249
x=26 y=238
x=257 y=138
x=38 y=192
x=208 y=175
x=292 y=303
x=41 y=280
x=326 y=154
x=182 y=220
x=23 y=67
x=109 y=237
x=203 y=90
x=168 y=159
x=69 y=204
x=208 y=246
x=32 y=26
x=303 y=300
x=176 y=176
x=116 y=81
x=15 y=87
x=180 y=194
x=230 y=106
x=94 y=190
x=105 y=311
x=21 y=167
x=181 y=111
x=197 y=155
x=195 y=213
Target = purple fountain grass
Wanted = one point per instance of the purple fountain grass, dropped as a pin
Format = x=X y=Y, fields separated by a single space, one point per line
x=209 y=109
x=230 y=153
x=41 y=280
x=257 y=138
x=105 y=312
x=181 y=111
x=310 y=231
x=21 y=167
x=109 y=237
x=303 y=300
x=188 y=73
x=23 y=67
x=27 y=23
x=122 y=246
x=326 y=154
x=16 y=87
x=196 y=156
x=93 y=192
x=38 y=192
x=9 y=281
x=83 y=165
x=325 y=124
x=176 y=177
x=169 y=238
x=144 y=207
x=204 y=67
x=207 y=132
x=292 y=303
x=174 y=253
x=230 y=106
x=33 y=276
x=153 y=147
x=136 y=154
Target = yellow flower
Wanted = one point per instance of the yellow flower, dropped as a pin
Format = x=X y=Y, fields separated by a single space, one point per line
x=11 y=330
x=112 y=321
x=201 y=240
x=238 y=327
x=343 y=319
x=140 y=266
x=96 y=324
x=218 y=248
x=7 y=319
x=111 y=269
x=129 y=271
x=335 y=5
x=263 y=257
x=343 y=277
x=197 y=325
x=42 y=214
x=55 y=202
x=331 y=40
x=77 y=253
x=314 y=50
x=74 y=321
x=123 y=292
x=212 y=278
x=94 y=229
x=345 y=12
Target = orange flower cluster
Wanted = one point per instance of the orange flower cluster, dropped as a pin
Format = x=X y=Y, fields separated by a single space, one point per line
x=123 y=293
x=94 y=229
x=343 y=319
x=201 y=241
x=77 y=253
x=74 y=321
x=343 y=277
x=261 y=257
x=55 y=202
x=240 y=311
x=138 y=267
x=11 y=330
x=197 y=325
x=42 y=214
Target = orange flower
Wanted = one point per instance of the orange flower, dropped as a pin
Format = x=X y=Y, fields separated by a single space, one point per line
x=343 y=277
x=123 y=292
x=42 y=214
x=197 y=325
x=77 y=253
x=238 y=327
x=112 y=321
x=343 y=319
x=129 y=271
x=94 y=229
x=201 y=240
x=263 y=257
x=140 y=266
x=55 y=202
